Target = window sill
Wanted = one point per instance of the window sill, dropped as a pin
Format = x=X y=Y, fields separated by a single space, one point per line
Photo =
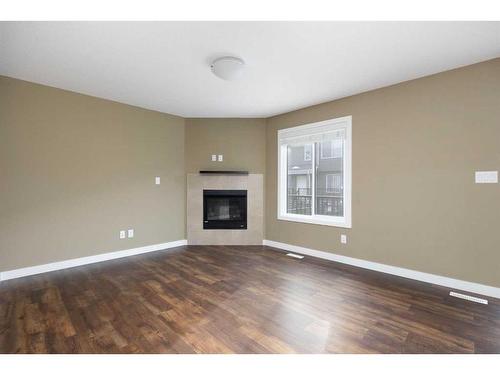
x=343 y=223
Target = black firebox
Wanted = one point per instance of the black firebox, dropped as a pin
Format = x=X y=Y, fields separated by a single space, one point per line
x=224 y=209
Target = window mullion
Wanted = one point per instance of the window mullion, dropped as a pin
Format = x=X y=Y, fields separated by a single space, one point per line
x=313 y=178
x=283 y=196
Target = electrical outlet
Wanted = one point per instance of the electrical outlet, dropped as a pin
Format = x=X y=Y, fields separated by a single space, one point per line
x=343 y=238
x=221 y=157
x=214 y=157
x=130 y=233
x=122 y=234
x=157 y=180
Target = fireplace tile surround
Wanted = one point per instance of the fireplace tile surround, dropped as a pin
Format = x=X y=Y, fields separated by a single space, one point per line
x=252 y=183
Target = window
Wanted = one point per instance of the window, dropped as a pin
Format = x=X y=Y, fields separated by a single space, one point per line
x=333 y=183
x=307 y=152
x=331 y=149
x=314 y=174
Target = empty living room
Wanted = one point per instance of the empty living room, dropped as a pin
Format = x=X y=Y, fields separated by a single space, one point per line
x=249 y=187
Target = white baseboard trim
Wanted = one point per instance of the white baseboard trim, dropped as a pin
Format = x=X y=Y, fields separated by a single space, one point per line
x=448 y=282
x=27 y=271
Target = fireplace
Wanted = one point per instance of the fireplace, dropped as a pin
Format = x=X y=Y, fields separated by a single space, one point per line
x=224 y=209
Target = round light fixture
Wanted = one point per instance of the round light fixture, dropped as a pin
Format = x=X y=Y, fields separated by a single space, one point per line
x=227 y=67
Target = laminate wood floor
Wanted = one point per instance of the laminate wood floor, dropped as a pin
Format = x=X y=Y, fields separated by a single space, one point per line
x=237 y=299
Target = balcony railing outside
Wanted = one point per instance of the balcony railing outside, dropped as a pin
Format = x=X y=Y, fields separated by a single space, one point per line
x=328 y=201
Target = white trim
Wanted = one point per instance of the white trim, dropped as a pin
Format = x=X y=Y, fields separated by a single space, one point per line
x=313 y=184
x=292 y=255
x=318 y=220
x=469 y=298
x=27 y=271
x=301 y=131
x=319 y=127
x=448 y=282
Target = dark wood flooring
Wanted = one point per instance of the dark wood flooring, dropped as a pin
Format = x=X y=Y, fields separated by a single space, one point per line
x=237 y=299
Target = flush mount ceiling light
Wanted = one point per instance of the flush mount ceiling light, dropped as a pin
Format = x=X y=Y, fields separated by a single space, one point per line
x=227 y=67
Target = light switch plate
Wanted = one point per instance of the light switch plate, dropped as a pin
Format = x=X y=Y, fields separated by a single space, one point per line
x=157 y=180
x=214 y=157
x=343 y=238
x=122 y=234
x=486 y=177
x=221 y=157
x=130 y=233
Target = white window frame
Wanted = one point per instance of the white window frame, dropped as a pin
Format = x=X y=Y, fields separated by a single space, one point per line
x=344 y=123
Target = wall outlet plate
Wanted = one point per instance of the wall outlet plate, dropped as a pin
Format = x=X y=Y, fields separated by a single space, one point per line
x=214 y=157
x=221 y=157
x=343 y=238
x=157 y=180
x=122 y=234
x=486 y=177
x=130 y=233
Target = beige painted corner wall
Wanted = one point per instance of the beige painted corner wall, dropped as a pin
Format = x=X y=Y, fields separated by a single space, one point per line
x=74 y=170
x=416 y=146
x=242 y=141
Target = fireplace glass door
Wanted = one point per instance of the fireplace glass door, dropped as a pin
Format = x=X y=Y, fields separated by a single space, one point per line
x=224 y=209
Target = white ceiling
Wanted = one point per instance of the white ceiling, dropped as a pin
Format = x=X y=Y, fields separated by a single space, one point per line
x=289 y=65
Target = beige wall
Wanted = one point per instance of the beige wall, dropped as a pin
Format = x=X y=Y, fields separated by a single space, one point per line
x=74 y=170
x=241 y=141
x=416 y=146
